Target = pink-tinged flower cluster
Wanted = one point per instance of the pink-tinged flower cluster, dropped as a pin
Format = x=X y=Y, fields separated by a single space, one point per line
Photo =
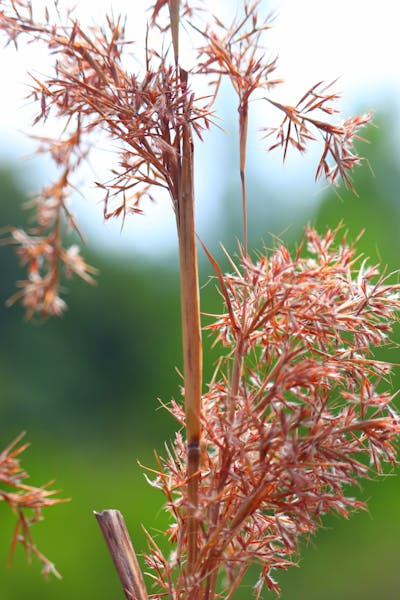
x=300 y=124
x=143 y=115
x=236 y=51
x=298 y=411
x=45 y=259
x=25 y=501
x=90 y=90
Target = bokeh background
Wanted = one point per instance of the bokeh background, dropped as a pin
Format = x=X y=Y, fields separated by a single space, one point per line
x=86 y=387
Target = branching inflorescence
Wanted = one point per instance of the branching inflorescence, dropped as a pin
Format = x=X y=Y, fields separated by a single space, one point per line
x=310 y=415
x=89 y=92
x=142 y=114
x=297 y=410
x=25 y=501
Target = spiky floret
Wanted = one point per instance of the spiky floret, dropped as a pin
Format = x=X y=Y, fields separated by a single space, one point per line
x=310 y=416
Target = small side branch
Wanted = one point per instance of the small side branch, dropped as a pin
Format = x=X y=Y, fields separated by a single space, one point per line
x=115 y=533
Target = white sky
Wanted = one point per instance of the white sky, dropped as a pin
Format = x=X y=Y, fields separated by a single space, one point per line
x=356 y=40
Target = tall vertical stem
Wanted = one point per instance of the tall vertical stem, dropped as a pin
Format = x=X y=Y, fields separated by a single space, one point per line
x=243 y=126
x=191 y=333
x=240 y=344
x=190 y=303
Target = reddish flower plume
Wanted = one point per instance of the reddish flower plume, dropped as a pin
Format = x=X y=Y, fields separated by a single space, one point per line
x=300 y=124
x=141 y=115
x=25 y=501
x=297 y=412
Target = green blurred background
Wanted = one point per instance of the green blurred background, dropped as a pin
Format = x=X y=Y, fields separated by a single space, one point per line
x=85 y=388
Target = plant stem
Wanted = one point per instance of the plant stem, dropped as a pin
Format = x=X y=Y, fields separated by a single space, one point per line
x=243 y=127
x=191 y=332
x=211 y=580
x=113 y=526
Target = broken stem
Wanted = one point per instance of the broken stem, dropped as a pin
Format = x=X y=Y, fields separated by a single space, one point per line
x=115 y=533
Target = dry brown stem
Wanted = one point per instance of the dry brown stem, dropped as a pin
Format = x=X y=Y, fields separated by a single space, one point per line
x=115 y=533
x=191 y=334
